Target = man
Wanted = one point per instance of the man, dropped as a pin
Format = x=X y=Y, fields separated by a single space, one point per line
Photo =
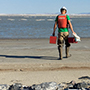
x=63 y=22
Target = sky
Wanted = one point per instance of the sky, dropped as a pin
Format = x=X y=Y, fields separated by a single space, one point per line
x=43 y=6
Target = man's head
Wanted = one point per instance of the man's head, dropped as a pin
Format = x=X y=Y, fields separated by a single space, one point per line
x=63 y=10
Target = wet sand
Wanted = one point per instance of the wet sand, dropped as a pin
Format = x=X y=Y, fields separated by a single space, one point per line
x=33 y=61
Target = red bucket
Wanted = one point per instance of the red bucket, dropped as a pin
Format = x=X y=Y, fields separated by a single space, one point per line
x=71 y=40
x=52 y=39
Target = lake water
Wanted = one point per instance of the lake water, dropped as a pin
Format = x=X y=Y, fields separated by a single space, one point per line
x=26 y=26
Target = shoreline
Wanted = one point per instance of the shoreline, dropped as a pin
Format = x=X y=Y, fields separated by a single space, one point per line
x=33 y=38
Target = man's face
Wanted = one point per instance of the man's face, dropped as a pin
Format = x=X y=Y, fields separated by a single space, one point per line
x=64 y=11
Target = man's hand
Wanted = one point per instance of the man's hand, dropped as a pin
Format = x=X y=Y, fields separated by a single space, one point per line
x=53 y=34
x=73 y=32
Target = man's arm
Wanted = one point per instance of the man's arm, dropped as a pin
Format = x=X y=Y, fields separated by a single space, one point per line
x=71 y=27
x=54 y=29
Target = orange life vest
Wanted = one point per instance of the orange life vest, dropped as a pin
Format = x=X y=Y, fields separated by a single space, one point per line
x=62 y=21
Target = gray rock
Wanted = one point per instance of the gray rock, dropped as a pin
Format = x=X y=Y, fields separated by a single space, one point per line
x=80 y=85
x=45 y=86
x=26 y=88
x=16 y=86
x=4 y=87
x=49 y=85
x=60 y=87
x=84 y=85
x=36 y=87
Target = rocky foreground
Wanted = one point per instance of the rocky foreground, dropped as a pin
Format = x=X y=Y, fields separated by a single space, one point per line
x=84 y=85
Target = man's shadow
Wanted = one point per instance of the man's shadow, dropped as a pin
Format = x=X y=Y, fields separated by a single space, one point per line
x=33 y=57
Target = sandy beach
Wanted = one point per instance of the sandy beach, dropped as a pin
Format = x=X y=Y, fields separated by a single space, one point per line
x=34 y=61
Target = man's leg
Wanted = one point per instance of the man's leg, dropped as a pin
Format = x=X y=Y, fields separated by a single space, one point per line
x=67 y=44
x=60 y=52
x=67 y=52
x=60 y=44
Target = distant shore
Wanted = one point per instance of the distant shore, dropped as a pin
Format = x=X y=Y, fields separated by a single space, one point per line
x=42 y=14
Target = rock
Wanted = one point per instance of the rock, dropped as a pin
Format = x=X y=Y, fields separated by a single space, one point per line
x=26 y=88
x=16 y=86
x=36 y=87
x=73 y=82
x=77 y=86
x=48 y=86
x=80 y=85
x=84 y=85
x=84 y=77
x=4 y=87
x=11 y=87
x=19 y=86
x=45 y=86
x=62 y=86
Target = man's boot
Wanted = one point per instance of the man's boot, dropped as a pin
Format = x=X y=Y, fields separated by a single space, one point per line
x=67 y=52
x=60 y=52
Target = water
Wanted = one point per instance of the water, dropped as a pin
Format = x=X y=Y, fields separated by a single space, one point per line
x=38 y=26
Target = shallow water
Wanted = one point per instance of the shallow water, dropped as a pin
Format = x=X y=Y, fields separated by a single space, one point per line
x=38 y=26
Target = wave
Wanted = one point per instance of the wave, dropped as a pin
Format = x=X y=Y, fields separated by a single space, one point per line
x=40 y=19
x=10 y=19
x=23 y=19
x=50 y=19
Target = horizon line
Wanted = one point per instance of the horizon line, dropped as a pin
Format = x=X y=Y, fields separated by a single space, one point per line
x=43 y=14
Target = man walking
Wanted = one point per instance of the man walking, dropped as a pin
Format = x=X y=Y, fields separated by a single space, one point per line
x=63 y=22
